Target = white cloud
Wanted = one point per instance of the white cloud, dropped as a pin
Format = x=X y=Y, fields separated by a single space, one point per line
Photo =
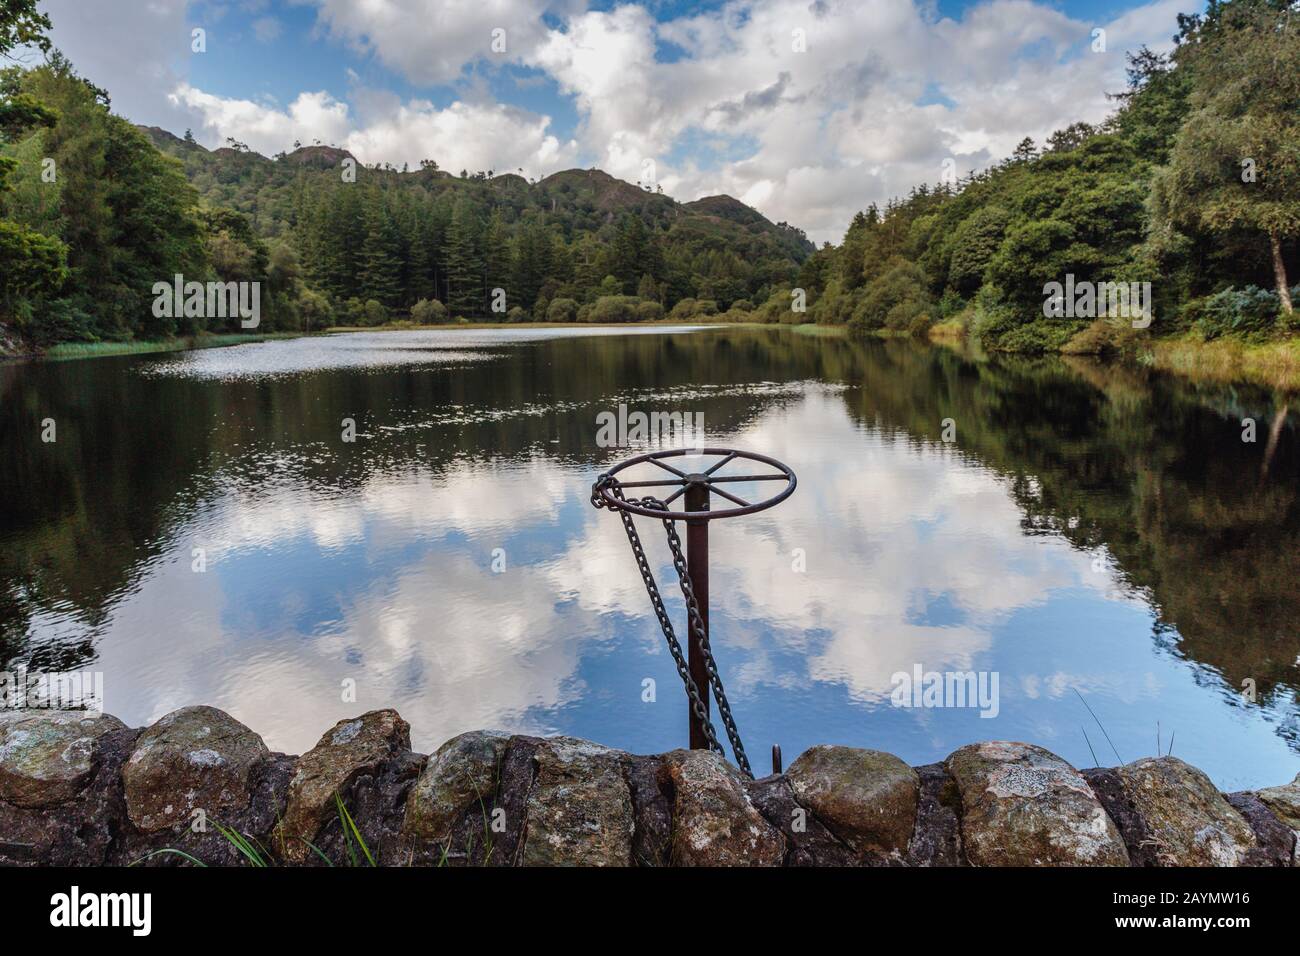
x=431 y=41
x=464 y=135
x=807 y=137
x=265 y=128
x=837 y=126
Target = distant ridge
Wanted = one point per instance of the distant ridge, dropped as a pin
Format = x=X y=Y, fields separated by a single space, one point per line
x=567 y=194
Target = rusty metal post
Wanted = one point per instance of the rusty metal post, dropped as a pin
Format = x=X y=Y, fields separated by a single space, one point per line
x=697 y=565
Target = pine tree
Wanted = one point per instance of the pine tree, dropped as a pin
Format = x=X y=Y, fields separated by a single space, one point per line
x=497 y=258
x=464 y=262
x=380 y=256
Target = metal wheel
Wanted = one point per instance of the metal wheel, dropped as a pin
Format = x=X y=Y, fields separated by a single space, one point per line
x=698 y=487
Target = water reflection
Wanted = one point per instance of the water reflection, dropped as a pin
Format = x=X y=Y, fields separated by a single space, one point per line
x=1089 y=530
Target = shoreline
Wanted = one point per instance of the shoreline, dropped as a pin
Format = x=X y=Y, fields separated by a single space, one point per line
x=1273 y=364
x=69 y=351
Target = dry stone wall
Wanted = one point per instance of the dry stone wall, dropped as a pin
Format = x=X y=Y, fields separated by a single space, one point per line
x=79 y=790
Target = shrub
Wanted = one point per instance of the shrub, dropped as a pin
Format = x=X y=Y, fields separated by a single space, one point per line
x=428 y=312
x=1236 y=311
x=1002 y=329
x=1104 y=337
x=562 y=310
x=648 y=310
x=517 y=314
x=374 y=313
x=614 y=308
x=689 y=308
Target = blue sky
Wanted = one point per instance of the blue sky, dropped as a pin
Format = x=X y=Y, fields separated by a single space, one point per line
x=806 y=109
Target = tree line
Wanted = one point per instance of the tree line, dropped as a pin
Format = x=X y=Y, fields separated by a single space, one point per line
x=95 y=211
x=1192 y=185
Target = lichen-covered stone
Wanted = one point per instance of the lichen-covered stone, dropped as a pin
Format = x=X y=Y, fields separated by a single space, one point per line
x=652 y=839
x=579 y=811
x=1275 y=842
x=714 y=821
x=808 y=842
x=936 y=841
x=461 y=775
x=47 y=757
x=1185 y=817
x=195 y=758
x=867 y=798
x=84 y=830
x=348 y=750
x=1109 y=790
x=1022 y=805
x=1284 y=801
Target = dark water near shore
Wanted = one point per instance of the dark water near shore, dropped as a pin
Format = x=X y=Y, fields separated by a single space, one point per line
x=1092 y=532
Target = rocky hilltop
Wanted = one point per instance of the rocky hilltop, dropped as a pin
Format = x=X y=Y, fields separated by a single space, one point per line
x=80 y=790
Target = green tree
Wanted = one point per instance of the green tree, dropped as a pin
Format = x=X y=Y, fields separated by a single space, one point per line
x=464 y=261
x=380 y=260
x=21 y=24
x=975 y=242
x=1235 y=166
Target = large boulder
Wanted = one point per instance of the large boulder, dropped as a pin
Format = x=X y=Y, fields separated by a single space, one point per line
x=808 y=841
x=460 y=777
x=714 y=821
x=1022 y=805
x=1185 y=818
x=579 y=811
x=349 y=750
x=196 y=758
x=1284 y=803
x=866 y=798
x=47 y=757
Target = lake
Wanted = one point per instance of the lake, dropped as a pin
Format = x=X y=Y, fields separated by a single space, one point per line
x=1098 y=537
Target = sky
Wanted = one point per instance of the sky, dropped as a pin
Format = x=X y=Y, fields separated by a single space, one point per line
x=808 y=110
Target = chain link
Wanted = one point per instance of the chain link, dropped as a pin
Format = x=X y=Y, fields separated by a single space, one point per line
x=694 y=618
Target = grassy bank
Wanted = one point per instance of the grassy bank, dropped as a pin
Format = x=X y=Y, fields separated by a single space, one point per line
x=78 y=350
x=1272 y=364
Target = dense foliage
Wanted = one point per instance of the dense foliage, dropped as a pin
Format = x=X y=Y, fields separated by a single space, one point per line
x=1192 y=185
x=95 y=212
x=377 y=241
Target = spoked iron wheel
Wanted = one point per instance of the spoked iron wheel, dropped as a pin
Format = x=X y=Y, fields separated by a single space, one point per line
x=695 y=487
x=695 y=490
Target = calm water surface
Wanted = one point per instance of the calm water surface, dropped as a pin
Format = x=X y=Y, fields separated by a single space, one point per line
x=1092 y=534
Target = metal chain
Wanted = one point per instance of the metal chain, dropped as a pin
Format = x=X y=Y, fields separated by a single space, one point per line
x=695 y=620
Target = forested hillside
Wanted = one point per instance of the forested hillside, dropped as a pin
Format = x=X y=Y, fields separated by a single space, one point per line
x=397 y=237
x=96 y=211
x=1193 y=185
